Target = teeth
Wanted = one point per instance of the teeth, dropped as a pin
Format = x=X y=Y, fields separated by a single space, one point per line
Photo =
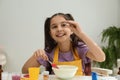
x=60 y=35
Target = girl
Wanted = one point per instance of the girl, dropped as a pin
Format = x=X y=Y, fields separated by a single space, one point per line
x=65 y=43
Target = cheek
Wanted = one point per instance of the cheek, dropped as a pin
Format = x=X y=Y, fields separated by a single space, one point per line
x=52 y=33
x=69 y=31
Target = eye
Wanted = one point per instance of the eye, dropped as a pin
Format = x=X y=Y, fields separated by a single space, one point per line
x=64 y=24
x=53 y=26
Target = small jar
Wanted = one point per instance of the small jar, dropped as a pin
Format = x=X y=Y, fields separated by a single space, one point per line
x=45 y=75
x=4 y=76
x=15 y=76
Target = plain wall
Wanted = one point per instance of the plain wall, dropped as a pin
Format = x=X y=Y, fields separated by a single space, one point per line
x=119 y=13
x=22 y=24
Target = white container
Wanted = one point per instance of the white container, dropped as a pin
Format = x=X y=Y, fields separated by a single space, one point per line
x=4 y=75
x=46 y=75
x=118 y=63
x=65 y=71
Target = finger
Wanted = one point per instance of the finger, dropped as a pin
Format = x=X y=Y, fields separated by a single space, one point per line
x=37 y=53
x=45 y=57
x=41 y=54
x=73 y=23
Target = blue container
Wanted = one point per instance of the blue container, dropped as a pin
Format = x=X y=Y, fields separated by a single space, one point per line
x=94 y=76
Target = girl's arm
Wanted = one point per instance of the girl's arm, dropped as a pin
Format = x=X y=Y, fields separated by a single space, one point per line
x=32 y=61
x=95 y=52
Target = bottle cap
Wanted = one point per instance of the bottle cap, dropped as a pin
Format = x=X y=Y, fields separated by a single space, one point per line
x=45 y=72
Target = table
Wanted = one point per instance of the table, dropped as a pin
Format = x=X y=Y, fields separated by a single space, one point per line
x=53 y=77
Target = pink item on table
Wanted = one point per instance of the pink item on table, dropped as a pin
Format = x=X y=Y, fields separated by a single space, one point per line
x=16 y=77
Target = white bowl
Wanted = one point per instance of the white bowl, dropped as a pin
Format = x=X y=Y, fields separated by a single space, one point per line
x=65 y=71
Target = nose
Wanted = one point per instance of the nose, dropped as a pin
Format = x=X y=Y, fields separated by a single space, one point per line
x=59 y=28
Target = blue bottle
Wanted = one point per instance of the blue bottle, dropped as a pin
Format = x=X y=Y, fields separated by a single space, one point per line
x=94 y=76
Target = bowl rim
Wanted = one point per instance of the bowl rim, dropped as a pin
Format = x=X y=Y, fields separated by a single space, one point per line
x=75 y=67
x=56 y=71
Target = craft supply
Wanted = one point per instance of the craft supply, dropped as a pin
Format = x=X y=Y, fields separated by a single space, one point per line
x=94 y=76
x=4 y=76
x=26 y=75
x=46 y=75
x=53 y=64
x=23 y=78
x=34 y=73
x=15 y=76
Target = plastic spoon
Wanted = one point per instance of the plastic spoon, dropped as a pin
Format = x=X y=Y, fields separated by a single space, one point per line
x=53 y=65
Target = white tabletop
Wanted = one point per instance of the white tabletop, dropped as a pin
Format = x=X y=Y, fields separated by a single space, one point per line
x=53 y=77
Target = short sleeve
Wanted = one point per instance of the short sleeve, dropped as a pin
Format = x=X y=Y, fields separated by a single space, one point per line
x=42 y=62
x=82 y=50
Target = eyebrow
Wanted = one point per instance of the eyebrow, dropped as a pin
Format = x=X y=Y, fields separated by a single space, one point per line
x=60 y=23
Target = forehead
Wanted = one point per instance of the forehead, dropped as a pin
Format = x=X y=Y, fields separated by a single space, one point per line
x=57 y=19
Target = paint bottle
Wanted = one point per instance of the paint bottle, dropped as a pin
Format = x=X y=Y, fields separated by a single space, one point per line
x=46 y=75
x=4 y=75
x=94 y=76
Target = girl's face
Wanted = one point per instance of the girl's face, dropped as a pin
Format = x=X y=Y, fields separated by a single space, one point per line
x=59 y=29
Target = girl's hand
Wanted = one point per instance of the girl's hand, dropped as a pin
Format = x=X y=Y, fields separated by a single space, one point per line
x=75 y=27
x=40 y=53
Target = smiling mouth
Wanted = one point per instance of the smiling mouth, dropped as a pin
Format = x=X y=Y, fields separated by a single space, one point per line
x=60 y=35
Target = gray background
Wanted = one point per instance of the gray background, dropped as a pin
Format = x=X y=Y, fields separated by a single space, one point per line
x=22 y=30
